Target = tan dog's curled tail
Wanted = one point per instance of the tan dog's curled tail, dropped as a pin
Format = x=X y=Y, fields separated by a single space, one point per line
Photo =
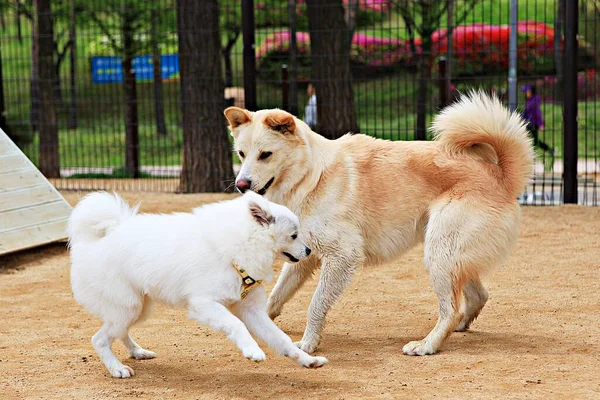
x=478 y=119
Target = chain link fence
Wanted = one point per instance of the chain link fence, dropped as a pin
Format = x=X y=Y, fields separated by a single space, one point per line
x=115 y=78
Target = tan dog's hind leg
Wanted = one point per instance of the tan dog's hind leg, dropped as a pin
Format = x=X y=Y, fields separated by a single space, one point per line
x=447 y=236
x=291 y=279
x=463 y=240
x=448 y=289
x=476 y=295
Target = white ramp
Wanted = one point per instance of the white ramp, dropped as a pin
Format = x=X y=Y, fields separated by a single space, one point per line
x=32 y=211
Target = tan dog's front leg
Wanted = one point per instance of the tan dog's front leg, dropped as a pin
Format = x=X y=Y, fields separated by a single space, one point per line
x=291 y=279
x=336 y=274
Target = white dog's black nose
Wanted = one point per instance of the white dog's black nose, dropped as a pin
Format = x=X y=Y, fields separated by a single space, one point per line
x=307 y=251
x=243 y=184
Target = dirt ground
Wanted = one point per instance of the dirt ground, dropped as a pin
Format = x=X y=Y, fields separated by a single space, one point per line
x=538 y=337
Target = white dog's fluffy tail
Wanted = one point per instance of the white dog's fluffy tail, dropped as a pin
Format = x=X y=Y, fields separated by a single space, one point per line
x=479 y=119
x=96 y=215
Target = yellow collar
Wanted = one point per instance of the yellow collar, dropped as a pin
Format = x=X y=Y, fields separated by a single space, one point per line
x=248 y=283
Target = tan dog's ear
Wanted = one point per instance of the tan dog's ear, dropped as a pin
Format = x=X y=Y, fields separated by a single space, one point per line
x=237 y=116
x=260 y=215
x=281 y=122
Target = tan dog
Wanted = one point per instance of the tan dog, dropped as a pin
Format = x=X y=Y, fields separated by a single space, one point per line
x=364 y=201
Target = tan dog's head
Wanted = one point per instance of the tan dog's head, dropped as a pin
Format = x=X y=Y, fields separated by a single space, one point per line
x=272 y=147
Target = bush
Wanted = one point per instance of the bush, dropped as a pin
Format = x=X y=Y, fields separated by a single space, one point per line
x=366 y=51
x=477 y=49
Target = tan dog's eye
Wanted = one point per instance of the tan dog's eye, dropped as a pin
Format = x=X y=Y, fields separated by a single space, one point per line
x=264 y=155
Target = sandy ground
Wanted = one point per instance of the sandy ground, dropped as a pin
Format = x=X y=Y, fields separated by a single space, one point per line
x=538 y=337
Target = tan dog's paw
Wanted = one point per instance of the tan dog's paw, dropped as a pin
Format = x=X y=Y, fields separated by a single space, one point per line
x=417 y=348
x=273 y=313
x=141 y=354
x=307 y=347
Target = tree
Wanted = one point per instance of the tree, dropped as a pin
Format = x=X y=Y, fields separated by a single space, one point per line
x=231 y=24
x=423 y=17
x=148 y=30
x=207 y=161
x=60 y=46
x=128 y=29
x=72 y=124
x=48 y=129
x=330 y=41
x=123 y=42
x=159 y=107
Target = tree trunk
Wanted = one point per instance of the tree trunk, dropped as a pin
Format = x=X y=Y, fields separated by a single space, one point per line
x=2 y=20
x=49 y=154
x=72 y=122
x=331 y=75
x=424 y=72
x=159 y=107
x=56 y=87
x=228 y=67
x=226 y=52
x=132 y=162
x=207 y=165
x=18 y=21
x=34 y=95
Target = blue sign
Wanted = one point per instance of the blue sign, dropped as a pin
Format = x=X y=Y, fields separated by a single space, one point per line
x=108 y=69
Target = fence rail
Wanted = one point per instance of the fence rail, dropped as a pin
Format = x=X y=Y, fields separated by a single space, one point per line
x=116 y=73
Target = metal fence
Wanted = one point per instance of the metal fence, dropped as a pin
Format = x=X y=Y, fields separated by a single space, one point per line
x=407 y=60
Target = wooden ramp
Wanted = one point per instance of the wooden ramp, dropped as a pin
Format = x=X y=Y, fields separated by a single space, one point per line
x=32 y=211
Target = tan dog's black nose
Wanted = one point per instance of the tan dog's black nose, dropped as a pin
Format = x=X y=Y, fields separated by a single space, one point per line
x=243 y=184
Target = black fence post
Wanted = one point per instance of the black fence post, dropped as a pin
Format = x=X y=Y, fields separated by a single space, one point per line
x=285 y=88
x=570 y=104
x=249 y=55
x=443 y=83
x=293 y=67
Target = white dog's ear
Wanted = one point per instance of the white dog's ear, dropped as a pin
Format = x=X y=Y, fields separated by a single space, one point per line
x=281 y=121
x=259 y=214
x=236 y=117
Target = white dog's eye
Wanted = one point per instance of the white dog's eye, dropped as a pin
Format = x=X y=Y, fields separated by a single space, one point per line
x=241 y=154
x=294 y=236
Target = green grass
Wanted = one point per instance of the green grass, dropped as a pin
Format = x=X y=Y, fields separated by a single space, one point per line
x=385 y=104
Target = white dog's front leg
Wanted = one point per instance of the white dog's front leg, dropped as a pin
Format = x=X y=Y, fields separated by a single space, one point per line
x=218 y=317
x=251 y=311
x=336 y=274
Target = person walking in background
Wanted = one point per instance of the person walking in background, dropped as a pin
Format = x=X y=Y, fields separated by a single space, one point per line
x=535 y=120
x=310 y=112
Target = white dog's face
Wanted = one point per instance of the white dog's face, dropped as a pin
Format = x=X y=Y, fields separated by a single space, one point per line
x=270 y=146
x=283 y=228
x=286 y=226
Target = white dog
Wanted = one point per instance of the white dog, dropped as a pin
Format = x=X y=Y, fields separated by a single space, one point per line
x=210 y=261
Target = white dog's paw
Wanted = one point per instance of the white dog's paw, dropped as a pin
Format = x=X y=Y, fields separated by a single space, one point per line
x=254 y=354
x=418 y=348
x=313 y=362
x=141 y=354
x=307 y=347
x=122 y=371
